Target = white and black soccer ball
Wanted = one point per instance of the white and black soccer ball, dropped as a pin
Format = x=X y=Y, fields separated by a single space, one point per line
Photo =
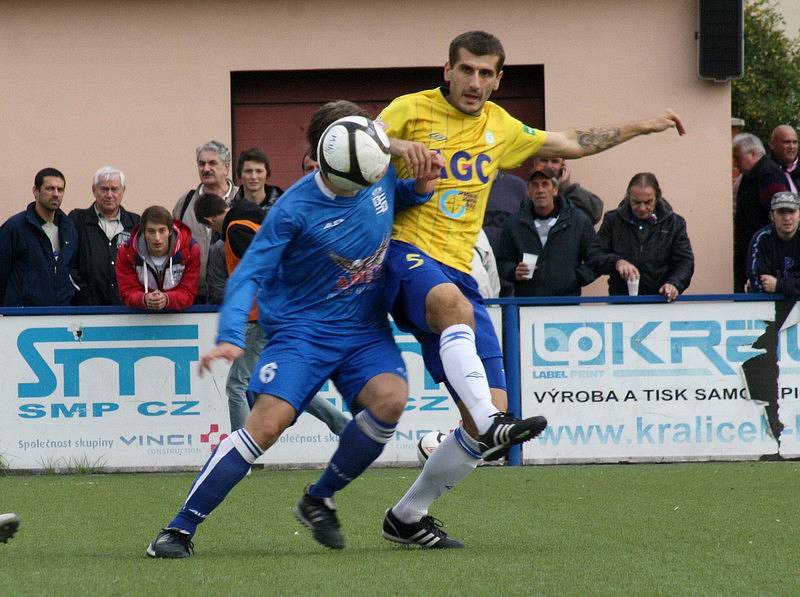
x=428 y=443
x=353 y=153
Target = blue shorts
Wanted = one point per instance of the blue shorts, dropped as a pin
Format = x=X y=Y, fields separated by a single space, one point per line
x=410 y=275
x=294 y=364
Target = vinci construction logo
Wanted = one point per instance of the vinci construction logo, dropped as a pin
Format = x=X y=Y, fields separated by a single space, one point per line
x=165 y=443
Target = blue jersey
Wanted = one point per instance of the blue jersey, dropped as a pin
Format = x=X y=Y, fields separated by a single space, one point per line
x=317 y=261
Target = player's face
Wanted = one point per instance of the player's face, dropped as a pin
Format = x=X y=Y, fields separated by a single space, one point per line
x=50 y=195
x=542 y=193
x=157 y=238
x=786 y=221
x=108 y=195
x=254 y=175
x=309 y=165
x=784 y=144
x=471 y=79
x=643 y=201
x=212 y=169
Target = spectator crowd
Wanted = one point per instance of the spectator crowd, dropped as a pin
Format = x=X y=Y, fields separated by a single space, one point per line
x=538 y=237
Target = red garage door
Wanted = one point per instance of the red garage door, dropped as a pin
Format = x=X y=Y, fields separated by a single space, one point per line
x=271 y=109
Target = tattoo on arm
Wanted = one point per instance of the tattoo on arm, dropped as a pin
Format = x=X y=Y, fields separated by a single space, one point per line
x=598 y=139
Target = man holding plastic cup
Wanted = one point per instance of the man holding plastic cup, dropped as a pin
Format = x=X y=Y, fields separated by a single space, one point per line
x=643 y=245
x=543 y=248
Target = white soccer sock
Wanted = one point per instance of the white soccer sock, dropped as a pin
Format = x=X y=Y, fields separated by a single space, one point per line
x=452 y=460
x=465 y=372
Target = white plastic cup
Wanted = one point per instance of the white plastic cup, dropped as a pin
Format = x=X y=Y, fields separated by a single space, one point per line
x=530 y=260
x=633 y=286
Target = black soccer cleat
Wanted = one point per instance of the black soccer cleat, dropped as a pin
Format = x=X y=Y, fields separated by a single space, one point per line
x=171 y=543
x=319 y=515
x=507 y=431
x=9 y=523
x=426 y=533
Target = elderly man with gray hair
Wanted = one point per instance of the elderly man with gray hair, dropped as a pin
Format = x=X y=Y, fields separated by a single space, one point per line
x=213 y=168
x=102 y=228
x=761 y=179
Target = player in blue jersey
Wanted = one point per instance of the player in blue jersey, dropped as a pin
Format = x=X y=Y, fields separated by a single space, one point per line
x=429 y=287
x=316 y=266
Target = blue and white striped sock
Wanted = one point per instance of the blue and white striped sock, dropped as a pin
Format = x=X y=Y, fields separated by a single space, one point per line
x=361 y=442
x=227 y=466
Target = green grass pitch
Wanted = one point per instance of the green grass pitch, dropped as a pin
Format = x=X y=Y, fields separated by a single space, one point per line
x=678 y=529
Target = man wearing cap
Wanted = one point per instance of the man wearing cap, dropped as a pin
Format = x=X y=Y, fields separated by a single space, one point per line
x=773 y=267
x=556 y=232
x=773 y=263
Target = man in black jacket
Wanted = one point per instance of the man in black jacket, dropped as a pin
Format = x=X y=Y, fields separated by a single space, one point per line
x=102 y=228
x=644 y=239
x=761 y=179
x=554 y=230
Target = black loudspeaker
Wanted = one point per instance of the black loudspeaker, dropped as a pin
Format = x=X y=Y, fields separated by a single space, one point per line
x=720 y=35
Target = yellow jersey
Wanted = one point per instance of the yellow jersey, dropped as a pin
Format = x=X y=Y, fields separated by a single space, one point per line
x=473 y=148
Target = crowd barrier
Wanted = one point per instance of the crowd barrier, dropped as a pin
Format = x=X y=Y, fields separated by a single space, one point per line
x=620 y=379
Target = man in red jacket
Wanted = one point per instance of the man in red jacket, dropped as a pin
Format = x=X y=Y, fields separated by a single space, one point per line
x=159 y=267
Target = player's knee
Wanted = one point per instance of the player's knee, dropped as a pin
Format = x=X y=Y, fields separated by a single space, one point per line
x=388 y=403
x=446 y=308
x=265 y=432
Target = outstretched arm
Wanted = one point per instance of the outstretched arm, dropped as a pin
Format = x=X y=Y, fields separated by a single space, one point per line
x=577 y=143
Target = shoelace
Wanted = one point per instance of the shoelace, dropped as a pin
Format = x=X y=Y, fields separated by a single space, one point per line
x=433 y=525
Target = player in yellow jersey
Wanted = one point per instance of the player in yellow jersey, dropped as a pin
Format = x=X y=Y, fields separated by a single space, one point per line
x=429 y=289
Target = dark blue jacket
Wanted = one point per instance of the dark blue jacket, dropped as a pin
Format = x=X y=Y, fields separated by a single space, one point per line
x=769 y=254
x=29 y=274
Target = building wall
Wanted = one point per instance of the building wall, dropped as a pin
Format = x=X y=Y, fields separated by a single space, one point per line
x=139 y=85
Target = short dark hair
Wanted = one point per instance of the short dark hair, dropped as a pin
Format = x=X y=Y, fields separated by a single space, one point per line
x=325 y=116
x=38 y=180
x=644 y=179
x=208 y=205
x=254 y=154
x=156 y=214
x=546 y=173
x=479 y=43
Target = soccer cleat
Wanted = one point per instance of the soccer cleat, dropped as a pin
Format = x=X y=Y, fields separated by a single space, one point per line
x=171 y=543
x=319 y=515
x=507 y=431
x=426 y=533
x=9 y=523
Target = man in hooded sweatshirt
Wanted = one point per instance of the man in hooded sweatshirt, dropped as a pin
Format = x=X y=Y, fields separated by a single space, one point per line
x=159 y=267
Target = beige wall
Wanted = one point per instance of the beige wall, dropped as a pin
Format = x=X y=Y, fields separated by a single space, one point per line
x=139 y=86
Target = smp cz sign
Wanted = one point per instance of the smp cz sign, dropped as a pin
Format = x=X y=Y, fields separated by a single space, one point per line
x=77 y=353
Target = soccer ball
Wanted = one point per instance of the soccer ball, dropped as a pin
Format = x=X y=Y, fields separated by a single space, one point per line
x=428 y=443
x=353 y=153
